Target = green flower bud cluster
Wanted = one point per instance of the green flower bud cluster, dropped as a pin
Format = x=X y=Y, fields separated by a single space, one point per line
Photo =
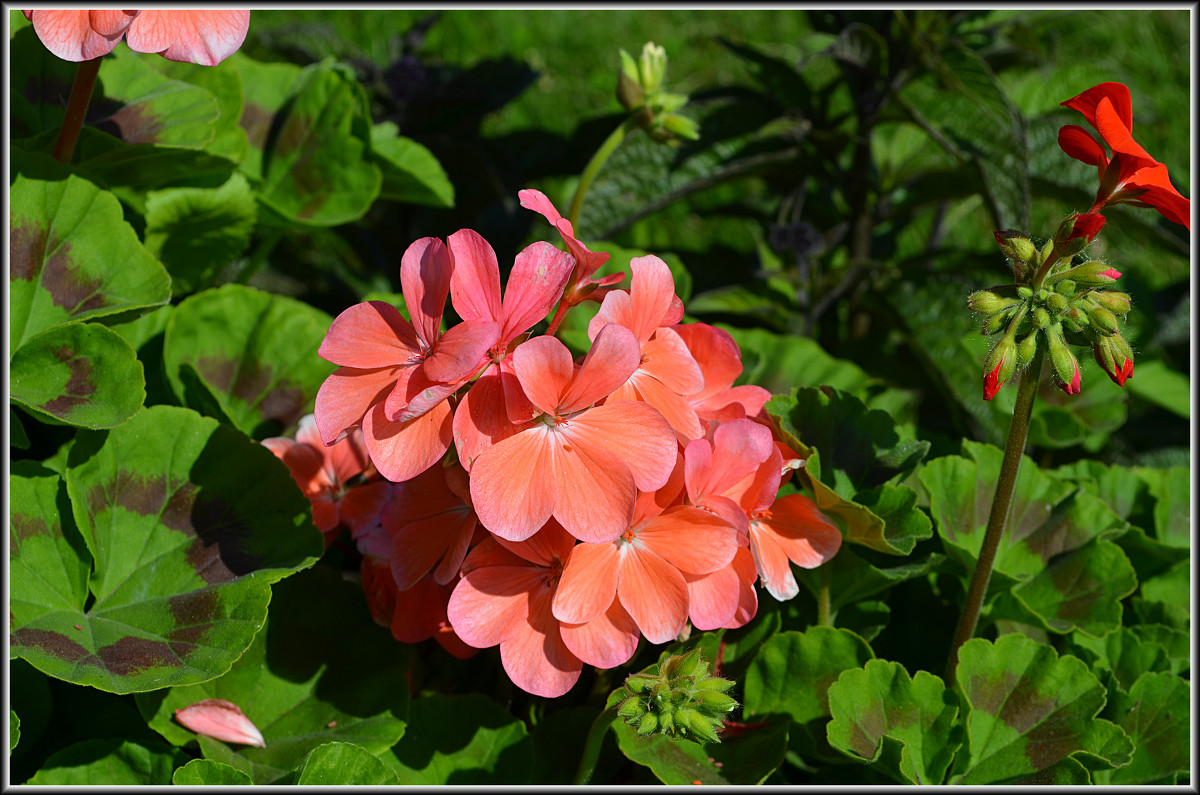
x=680 y=701
x=640 y=91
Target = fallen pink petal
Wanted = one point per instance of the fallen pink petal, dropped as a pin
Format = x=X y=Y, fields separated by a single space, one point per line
x=222 y=720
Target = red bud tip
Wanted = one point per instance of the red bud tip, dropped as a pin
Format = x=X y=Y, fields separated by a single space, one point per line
x=992 y=383
x=1073 y=387
x=1120 y=376
x=1111 y=273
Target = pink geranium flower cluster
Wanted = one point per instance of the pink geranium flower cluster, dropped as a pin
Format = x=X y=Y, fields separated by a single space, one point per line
x=559 y=509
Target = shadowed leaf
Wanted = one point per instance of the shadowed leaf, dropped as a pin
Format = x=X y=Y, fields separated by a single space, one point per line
x=111 y=762
x=410 y=171
x=1156 y=714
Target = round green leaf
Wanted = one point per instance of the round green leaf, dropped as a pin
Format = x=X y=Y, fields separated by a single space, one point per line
x=224 y=82
x=142 y=106
x=461 y=739
x=247 y=355
x=881 y=702
x=80 y=374
x=794 y=670
x=333 y=764
x=1028 y=710
x=321 y=671
x=410 y=171
x=110 y=762
x=1156 y=714
x=745 y=759
x=207 y=773
x=72 y=255
x=188 y=523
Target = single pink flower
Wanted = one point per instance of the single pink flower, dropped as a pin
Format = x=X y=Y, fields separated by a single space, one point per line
x=322 y=473
x=1130 y=175
x=578 y=462
x=645 y=568
x=495 y=403
x=504 y=598
x=720 y=362
x=224 y=720
x=666 y=373
x=200 y=37
x=395 y=376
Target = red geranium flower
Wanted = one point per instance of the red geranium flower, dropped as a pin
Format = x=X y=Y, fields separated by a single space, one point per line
x=1130 y=176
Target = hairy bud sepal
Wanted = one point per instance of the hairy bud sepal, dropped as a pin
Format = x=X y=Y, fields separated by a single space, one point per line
x=676 y=698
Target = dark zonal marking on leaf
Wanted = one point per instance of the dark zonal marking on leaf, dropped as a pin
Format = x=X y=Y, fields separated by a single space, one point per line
x=133 y=124
x=1057 y=535
x=1067 y=578
x=49 y=641
x=1025 y=707
x=69 y=287
x=80 y=385
x=864 y=742
x=195 y=615
x=1015 y=701
x=131 y=655
x=283 y=403
x=256 y=121
x=988 y=694
x=309 y=179
x=140 y=494
x=221 y=553
x=22 y=527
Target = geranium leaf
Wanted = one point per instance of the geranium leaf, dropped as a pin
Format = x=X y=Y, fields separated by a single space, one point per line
x=224 y=82
x=207 y=773
x=322 y=671
x=315 y=167
x=72 y=255
x=852 y=579
x=49 y=562
x=111 y=762
x=1171 y=591
x=14 y=730
x=1164 y=387
x=334 y=764
x=1172 y=511
x=198 y=231
x=265 y=87
x=1156 y=714
x=187 y=523
x=746 y=758
x=793 y=671
x=880 y=702
x=410 y=171
x=1123 y=654
x=255 y=353
x=461 y=739
x=1027 y=710
x=80 y=374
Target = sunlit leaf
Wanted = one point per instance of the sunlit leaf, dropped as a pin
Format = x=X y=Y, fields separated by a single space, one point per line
x=207 y=773
x=746 y=758
x=336 y=763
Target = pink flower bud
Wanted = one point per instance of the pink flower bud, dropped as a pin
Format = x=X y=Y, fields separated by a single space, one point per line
x=221 y=719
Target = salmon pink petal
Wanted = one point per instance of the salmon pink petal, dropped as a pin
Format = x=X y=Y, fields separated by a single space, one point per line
x=346 y=396
x=757 y=493
x=456 y=552
x=667 y=358
x=459 y=353
x=617 y=307
x=347 y=458
x=691 y=540
x=613 y=357
x=325 y=516
x=420 y=612
x=490 y=552
x=607 y=641
x=70 y=36
x=674 y=408
x=452 y=643
x=480 y=419
x=544 y=368
x=651 y=503
x=734 y=403
x=360 y=509
x=595 y=489
x=517 y=405
x=417 y=546
x=802 y=531
x=740 y=447
x=109 y=23
x=475 y=281
x=414 y=394
x=224 y=720
x=1116 y=93
x=588 y=584
x=716 y=354
x=402 y=450
x=713 y=598
x=513 y=485
x=1079 y=144
x=534 y=655
x=547 y=547
x=743 y=564
x=425 y=271
x=654 y=593
x=491 y=603
x=652 y=289
x=636 y=433
x=536 y=200
x=535 y=284
x=368 y=335
x=199 y=37
x=304 y=463
x=771 y=560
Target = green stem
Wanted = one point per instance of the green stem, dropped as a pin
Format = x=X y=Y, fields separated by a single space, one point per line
x=825 y=578
x=591 y=748
x=595 y=164
x=1017 y=434
x=77 y=105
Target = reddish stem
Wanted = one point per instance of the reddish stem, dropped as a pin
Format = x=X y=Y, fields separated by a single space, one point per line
x=77 y=105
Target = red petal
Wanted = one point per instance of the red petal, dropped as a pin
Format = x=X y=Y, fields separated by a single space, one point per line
x=1116 y=93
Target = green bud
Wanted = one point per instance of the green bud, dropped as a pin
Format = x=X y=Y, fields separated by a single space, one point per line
x=652 y=67
x=1066 y=367
x=701 y=726
x=631 y=708
x=647 y=724
x=715 y=683
x=716 y=702
x=1104 y=320
x=666 y=722
x=1071 y=247
x=629 y=92
x=996 y=322
x=638 y=683
x=1003 y=355
x=1065 y=287
x=1121 y=346
x=1041 y=318
x=1057 y=303
x=660 y=692
x=1073 y=321
x=1027 y=349
x=985 y=302
x=680 y=126
x=1025 y=292
x=1044 y=254
x=1015 y=246
x=1117 y=303
x=1041 y=295
x=1090 y=274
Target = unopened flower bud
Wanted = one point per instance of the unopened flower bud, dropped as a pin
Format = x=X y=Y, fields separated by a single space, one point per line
x=1015 y=246
x=985 y=302
x=1090 y=274
x=676 y=704
x=715 y=683
x=652 y=67
x=1112 y=359
x=1057 y=303
x=1044 y=254
x=629 y=92
x=1066 y=367
x=1024 y=291
x=630 y=708
x=1113 y=301
x=647 y=724
x=999 y=365
x=1027 y=349
x=1103 y=320
x=680 y=126
x=1041 y=318
x=719 y=702
x=996 y=322
x=638 y=684
x=1065 y=287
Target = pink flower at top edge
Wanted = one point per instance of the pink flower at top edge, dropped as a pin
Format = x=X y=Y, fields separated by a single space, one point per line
x=395 y=376
x=720 y=362
x=666 y=373
x=645 y=568
x=495 y=403
x=578 y=462
x=322 y=472
x=1131 y=175
x=204 y=37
